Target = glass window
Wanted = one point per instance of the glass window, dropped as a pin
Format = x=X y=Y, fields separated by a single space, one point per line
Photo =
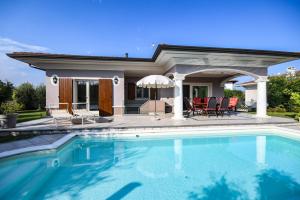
x=142 y=93
x=200 y=91
x=146 y=93
x=81 y=92
x=139 y=92
x=94 y=95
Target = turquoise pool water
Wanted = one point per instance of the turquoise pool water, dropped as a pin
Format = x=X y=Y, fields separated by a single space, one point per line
x=235 y=167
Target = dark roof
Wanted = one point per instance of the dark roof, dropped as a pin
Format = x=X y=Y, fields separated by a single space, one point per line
x=74 y=57
x=159 y=49
x=223 y=50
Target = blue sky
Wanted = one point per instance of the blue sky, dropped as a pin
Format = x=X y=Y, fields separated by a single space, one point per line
x=111 y=27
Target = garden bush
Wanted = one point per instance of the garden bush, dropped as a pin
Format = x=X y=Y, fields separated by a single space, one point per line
x=10 y=107
x=279 y=108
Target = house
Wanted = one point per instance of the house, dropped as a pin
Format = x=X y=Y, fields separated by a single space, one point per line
x=250 y=93
x=107 y=84
x=251 y=87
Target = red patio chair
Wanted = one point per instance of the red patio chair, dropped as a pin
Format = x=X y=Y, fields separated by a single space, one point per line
x=189 y=107
x=233 y=101
x=223 y=107
x=205 y=100
x=211 y=106
x=197 y=102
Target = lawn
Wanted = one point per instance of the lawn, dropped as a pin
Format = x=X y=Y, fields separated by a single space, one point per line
x=283 y=114
x=29 y=115
x=280 y=114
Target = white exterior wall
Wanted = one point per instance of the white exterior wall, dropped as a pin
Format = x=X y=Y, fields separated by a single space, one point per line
x=52 y=92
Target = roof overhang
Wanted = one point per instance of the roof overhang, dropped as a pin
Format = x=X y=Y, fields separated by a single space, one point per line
x=165 y=57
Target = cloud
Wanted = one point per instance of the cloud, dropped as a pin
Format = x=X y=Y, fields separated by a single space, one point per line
x=16 y=71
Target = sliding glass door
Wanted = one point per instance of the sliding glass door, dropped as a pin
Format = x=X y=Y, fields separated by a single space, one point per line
x=94 y=94
x=86 y=94
x=199 y=91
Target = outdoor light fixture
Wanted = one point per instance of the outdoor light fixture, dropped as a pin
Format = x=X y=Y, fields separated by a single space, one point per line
x=116 y=80
x=54 y=79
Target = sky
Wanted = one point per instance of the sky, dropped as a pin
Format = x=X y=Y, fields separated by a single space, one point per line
x=113 y=27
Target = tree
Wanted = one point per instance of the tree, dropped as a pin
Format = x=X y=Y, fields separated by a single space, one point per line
x=276 y=91
x=6 y=91
x=280 y=90
x=40 y=93
x=25 y=95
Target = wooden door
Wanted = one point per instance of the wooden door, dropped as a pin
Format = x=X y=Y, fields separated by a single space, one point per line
x=131 y=91
x=105 y=97
x=65 y=93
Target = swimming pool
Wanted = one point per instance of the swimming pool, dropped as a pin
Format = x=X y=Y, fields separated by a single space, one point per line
x=260 y=166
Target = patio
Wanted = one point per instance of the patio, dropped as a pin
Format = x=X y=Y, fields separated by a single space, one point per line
x=47 y=126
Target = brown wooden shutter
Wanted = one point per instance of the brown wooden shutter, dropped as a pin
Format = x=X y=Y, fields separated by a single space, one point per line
x=131 y=91
x=105 y=97
x=66 y=93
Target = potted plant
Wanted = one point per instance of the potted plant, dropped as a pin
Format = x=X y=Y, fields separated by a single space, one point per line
x=9 y=117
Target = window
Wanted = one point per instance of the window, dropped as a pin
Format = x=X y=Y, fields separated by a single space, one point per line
x=142 y=93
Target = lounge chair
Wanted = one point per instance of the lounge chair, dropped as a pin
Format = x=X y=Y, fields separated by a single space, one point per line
x=211 y=106
x=57 y=112
x=223 y=107
x=197 y=103
x=233 y=101
x=80 y=110
x=189 y=107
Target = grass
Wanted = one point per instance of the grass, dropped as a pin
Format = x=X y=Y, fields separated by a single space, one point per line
x=280 y=114
x=283 y=114
x=28 y=115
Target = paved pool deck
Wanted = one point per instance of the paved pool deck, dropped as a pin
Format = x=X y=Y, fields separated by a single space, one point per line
x=47 y=125
x=49 y=136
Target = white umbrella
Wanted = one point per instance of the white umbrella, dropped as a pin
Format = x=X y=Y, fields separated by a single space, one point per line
x=155 y=81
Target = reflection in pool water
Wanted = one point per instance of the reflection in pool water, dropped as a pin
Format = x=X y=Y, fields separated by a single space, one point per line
x=239 y=167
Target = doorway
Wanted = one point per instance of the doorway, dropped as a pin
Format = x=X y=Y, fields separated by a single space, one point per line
x=199 y=91
x=86 y=94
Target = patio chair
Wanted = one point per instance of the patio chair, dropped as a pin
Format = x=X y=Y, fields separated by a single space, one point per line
x=223 y=107
x=189 y=107
x=59 y=111
x=211 y=106
x=205 y=100
x=219 y=100
x=233 y=101
x=80 y=110
x=197 y=102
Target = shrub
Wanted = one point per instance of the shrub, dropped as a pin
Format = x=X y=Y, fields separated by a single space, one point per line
x=295 y=101
x=10 y=107
x=279 y=108
x=297 y=117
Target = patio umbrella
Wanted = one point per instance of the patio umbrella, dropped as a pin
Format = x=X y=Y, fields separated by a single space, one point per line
x=155 y=81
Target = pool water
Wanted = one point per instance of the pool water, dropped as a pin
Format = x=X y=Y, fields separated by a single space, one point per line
x=187 y=167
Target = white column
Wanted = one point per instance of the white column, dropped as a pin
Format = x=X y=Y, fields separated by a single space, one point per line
x=178 y=96
x=261 y=101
